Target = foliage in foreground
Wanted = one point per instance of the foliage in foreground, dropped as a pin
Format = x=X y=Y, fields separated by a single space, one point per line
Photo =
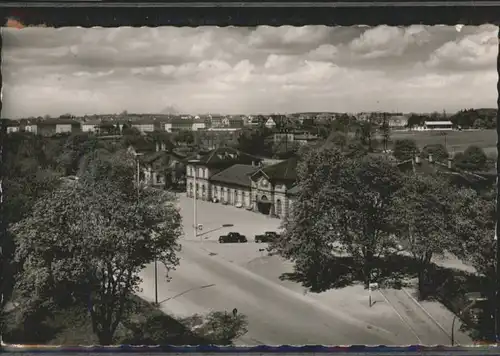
x=93 y=237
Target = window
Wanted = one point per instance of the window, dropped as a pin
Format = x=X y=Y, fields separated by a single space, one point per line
x=200 y=172
x=278 y=207
x=190 y=187
x=206 y=173
x=197 y=190
x=203 y=191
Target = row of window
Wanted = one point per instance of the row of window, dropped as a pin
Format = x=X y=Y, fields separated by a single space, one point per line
x=231 y=196
x=200 y=172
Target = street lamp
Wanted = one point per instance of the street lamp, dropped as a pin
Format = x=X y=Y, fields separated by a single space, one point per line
x=137 y=155
x=195 y=217
x=473 y=298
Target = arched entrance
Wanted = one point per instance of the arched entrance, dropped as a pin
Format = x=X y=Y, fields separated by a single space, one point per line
x=264 y=205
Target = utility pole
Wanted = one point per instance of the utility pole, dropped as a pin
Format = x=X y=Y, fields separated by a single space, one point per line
x=195 y=217
x=3 y=223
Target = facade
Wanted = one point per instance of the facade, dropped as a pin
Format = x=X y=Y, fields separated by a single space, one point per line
x=13 y=126
x=243 y=182
x=270 y=124
x=398 y=122
x=146 y=126
x=201 y=168
x=438 y=125
x=51 y=127
x=90 y=126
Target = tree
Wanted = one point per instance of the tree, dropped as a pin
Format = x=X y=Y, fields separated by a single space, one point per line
x=343 y=206
x=405 y=149
x=473 y=228
x=365 y=133
x=437 y=150
x=422 y=210
x=472 y=159
x=253 y=141
x=74 y=149
x=415 y=120
x=92 y=237
x=385 y=132
x=184 y=136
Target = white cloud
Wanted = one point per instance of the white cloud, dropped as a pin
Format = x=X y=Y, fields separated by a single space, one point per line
x=264 y=69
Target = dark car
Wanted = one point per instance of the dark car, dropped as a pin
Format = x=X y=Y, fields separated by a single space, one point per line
x=232 y=237
x=266 y=237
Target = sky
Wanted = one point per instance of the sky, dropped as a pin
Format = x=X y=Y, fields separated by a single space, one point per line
x=241 y=70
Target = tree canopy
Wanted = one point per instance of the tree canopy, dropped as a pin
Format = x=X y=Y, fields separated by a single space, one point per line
x=343 y=207
x=405 y=149
x=92 y=237
x=422 y=212
x=472 y=159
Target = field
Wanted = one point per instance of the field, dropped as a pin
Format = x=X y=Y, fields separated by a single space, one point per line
x=455 y=141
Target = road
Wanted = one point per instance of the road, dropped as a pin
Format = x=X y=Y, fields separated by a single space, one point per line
x=278 y=312
x=275 y=314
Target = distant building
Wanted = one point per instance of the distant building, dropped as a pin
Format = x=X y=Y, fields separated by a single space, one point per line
x=398 y=122
x=146 y=125
x=91 y=126
x=50 y=127
x=438 y=125
x=13 y=126
x=270 y=123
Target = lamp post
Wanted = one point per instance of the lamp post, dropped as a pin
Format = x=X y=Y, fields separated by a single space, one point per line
x=473 y=300
x=195 y=217
x=137 y=155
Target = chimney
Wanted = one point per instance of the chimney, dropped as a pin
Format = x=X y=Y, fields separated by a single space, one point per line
x=430 y=158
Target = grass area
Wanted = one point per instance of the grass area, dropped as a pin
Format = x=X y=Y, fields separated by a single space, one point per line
x=456 y=141
x=72 y=326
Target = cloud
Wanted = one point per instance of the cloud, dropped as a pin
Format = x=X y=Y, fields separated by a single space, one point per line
x=240 y=70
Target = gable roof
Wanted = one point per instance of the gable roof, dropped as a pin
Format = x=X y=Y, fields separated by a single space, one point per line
x=282 y=171
x=238 y=174
x=295 y=190
x=225 y=155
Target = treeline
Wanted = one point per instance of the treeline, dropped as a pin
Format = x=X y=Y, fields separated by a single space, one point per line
x=465 y=119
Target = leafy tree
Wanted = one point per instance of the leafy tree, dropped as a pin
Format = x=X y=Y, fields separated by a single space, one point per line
x=405 y=149
x=343 y=206
x=385 y=132
x=437 y=150
x=422 y=211
x=472 y=159
x=92 y=237
x=415 y=120
x=473 y=228
x=184 y=136
x=365 y=133
x=253 y=141
x=74 y=149
x=218 y=327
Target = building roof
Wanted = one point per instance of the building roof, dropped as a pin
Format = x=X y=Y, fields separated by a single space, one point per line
x=238 y=174
x=283 y=171
x=225 y=155
x=57 y=122
x=293 y=191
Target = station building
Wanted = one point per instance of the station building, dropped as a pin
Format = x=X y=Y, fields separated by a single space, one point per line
x=230 y=177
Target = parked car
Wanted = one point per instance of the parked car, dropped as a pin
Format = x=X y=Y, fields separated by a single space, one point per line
x=267 y=236
x=232 y=237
